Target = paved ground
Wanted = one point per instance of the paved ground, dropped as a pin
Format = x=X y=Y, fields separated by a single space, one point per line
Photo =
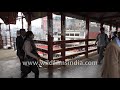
x=6 y=54
x=10 y=68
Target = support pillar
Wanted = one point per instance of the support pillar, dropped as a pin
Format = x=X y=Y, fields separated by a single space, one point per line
x=87 y=36
x=10 y=32
x=101 y=25
x=29 y=21
x=50 y=36
x=6 y=40
x=116 y=28
x=110 y=29
x=63 y=36
x=50 y=42
x=10 y=36
x=22 y=20
x=0 y=28
x=6 y=36
x=1 y=41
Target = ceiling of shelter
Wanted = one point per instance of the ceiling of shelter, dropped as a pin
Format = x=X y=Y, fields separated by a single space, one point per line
x=35 y=15
x=105 y=17
x=13 y=15
x=108 y=18
x=5 y=17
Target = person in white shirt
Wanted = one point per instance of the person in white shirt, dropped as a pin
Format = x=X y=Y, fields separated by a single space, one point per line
x=31 y=55
x=101 y=42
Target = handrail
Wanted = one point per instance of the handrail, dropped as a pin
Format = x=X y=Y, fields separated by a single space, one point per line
x=66 y=49
x=41 y=42
x=43 y=58
x=42 y=50
x=68 y=41
x=92 y=50
x=91 y=39
x=69 y=56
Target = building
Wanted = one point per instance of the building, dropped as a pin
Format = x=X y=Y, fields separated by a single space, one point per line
x=75 y=29
x=72 y=35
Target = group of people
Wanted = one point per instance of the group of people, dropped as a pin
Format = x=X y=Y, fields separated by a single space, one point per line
x=26 y=51
x=110 y=50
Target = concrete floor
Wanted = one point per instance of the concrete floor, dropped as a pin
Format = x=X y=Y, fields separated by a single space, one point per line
x=10 y=68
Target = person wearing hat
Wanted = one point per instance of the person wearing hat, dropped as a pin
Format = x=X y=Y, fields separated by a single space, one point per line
x=111 y=65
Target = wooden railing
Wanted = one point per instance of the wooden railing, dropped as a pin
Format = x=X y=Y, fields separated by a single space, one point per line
x=67 y=48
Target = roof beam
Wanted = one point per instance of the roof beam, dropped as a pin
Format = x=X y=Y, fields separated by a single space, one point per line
x=102 y=16
x=111 y=17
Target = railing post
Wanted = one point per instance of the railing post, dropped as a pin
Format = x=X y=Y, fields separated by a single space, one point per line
x=87 y=36
x=50 y=41
x=29 y=21
x=63 y=36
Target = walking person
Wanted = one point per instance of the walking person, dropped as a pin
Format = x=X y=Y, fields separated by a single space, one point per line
x=19 y=44
x=111 y=65
x=101 y=42
x=31 y=55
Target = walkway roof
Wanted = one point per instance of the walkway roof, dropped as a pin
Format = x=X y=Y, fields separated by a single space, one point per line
x=107 y=18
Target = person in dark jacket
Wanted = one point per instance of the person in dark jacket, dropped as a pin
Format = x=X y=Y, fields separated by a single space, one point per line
x=19 y=46
x=114 y=35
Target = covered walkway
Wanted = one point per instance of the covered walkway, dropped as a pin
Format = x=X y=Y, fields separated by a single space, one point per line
x=11 y=69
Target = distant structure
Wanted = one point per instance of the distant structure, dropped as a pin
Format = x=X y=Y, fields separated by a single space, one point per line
x=75 y=29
